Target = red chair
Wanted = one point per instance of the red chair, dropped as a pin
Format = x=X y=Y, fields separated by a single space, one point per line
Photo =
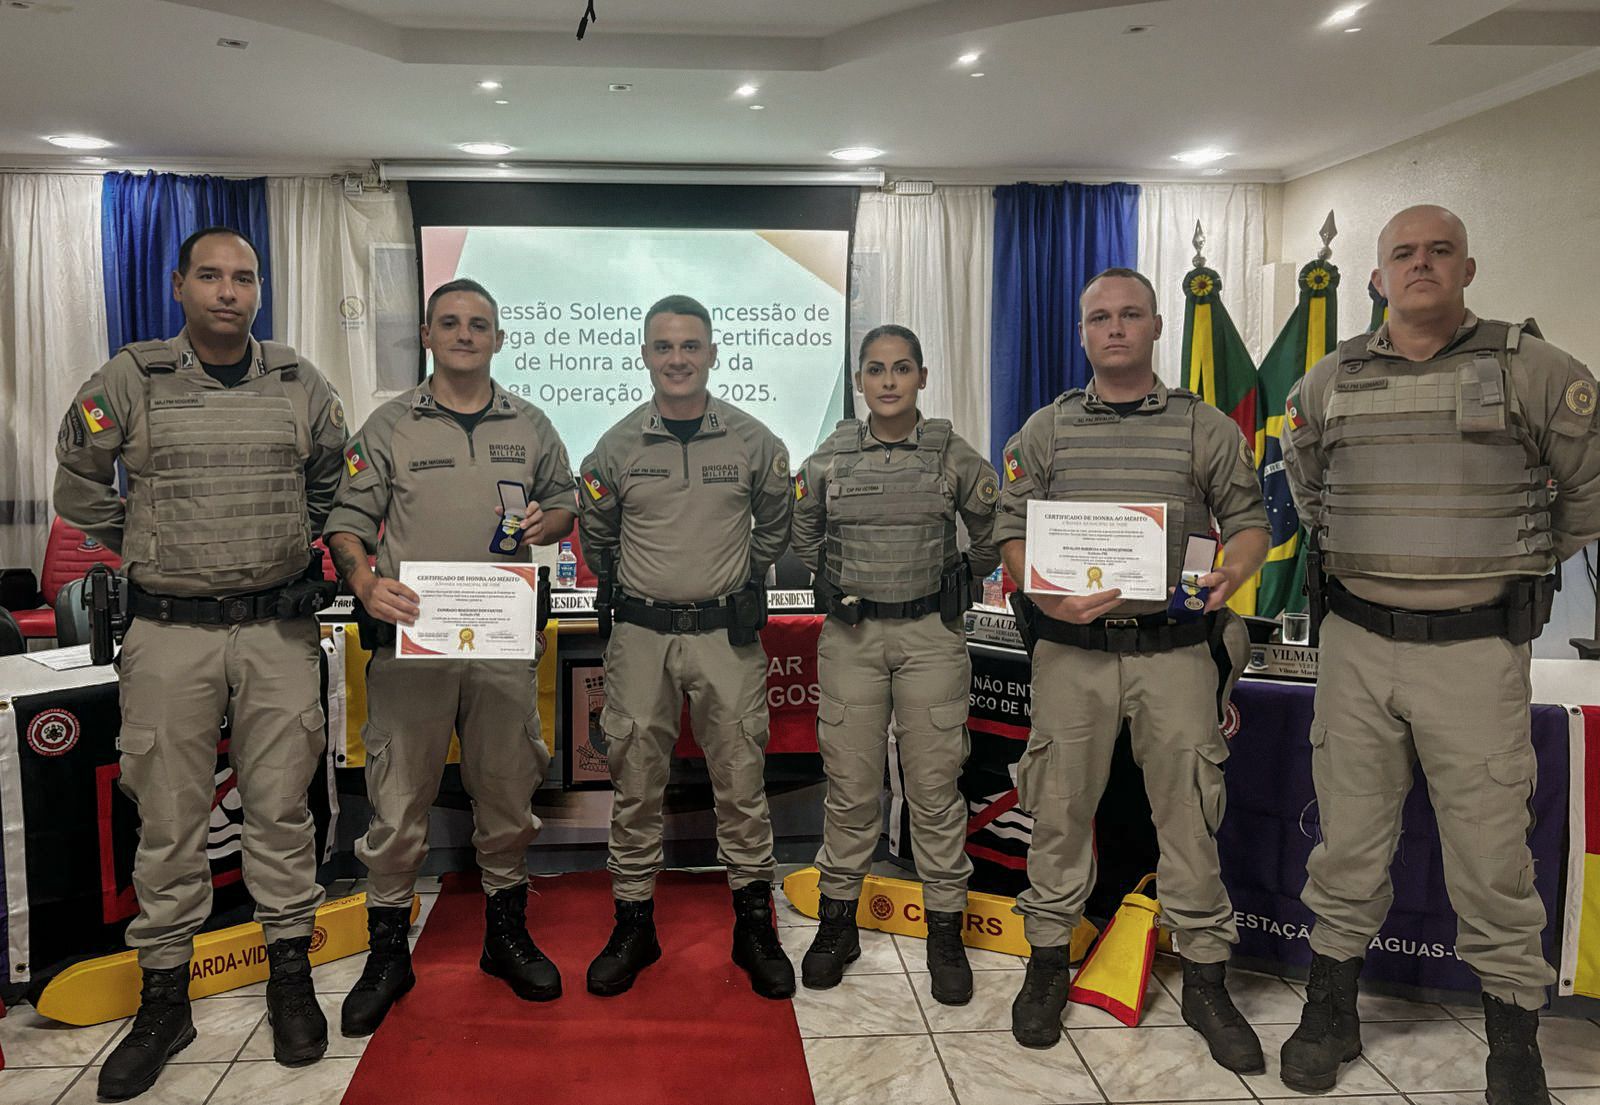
x=67 y=555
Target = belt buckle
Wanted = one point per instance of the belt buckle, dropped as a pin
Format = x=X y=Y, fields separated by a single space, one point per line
x=685 y=621
x=1121 y=623
x=1408 y=625
x=1122 y=634
x=235 y=611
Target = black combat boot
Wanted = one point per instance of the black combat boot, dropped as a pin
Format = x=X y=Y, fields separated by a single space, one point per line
x=948 y=972
x=387 y=975
x=1036 y=1012
x=299 y=1030
x=837 y=944
x=1515 y=1070
x=632 y=948
x=510 y=953
x=755 y=942
x=1209 y=1010
x=1330 y=1030
x=162 y=1028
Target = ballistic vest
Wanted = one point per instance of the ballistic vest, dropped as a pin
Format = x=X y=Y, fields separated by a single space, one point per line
x=1100 y=456
x=218 y=506
x=891 y=528
x=1432 y=471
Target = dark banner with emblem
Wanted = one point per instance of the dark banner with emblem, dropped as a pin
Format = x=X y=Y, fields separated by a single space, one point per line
x=79 y=831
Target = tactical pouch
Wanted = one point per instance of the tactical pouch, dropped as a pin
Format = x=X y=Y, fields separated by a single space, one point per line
x=1023 y=609
x=604 y=593
x=955 y=592
x=1480 y=396
x=1528 y=605
x=1316 y=586
x=308 y=594
x=749 y=608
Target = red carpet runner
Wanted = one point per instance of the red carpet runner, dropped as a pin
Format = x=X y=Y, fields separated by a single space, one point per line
x=690 y=1030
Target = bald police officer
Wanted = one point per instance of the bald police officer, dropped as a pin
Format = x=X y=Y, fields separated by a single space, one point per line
x=1099 y=660
x=421 y=484
x=875 y=520
x=1446 y=465
x=232 y=450
x=684 y=505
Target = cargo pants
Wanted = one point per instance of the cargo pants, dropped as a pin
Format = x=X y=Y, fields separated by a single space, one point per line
x=178 y=683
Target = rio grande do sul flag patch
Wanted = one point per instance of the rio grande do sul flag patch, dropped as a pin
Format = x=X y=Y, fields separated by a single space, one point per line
x=95 y=415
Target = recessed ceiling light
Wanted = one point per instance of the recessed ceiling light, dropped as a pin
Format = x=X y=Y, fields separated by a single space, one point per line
x=746 y=90
x=975 y=74
x=484 y=149
x=502 y=103
x=76 y=141
x=1205 y=155
x=758 y=107
x=1342 y=14
x=855 y=153
x=968 y=59
x=489 y=86
x=1351 y=30
x=619 y=87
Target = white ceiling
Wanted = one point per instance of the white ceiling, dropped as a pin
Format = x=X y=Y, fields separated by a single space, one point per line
x=1066 y=92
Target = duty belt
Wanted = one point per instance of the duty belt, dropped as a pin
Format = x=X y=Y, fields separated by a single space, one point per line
x=671 y=617
x=912 y=608
x=1437 y=626
x=257 y=606
x=1151 y=633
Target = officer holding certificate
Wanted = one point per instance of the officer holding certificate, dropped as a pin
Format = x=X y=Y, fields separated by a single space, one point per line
x=439 y=473
x=1099 y=660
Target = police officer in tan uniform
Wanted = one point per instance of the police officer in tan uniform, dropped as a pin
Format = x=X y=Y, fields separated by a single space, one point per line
x=875 y=520
x=683 y=507
x=1099 y=660
x=232 y=450
x=421 y=484
x=1446 y=465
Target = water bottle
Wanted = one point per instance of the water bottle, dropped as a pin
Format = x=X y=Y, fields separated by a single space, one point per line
x=994 y=590
x=566 y=568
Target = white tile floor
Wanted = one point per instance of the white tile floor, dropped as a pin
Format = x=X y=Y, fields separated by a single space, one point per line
x=879 y=1037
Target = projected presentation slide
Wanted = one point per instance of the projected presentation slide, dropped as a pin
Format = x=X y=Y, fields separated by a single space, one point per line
x=573 y=301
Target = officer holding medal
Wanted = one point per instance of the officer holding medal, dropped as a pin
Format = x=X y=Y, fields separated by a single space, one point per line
x=1098 y=660
x=428 y=478
x=684 y=506
x=875 y=520
x=1445 y=466
x=232 y=451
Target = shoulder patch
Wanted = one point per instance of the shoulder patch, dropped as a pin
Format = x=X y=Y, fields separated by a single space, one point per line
x=1581 y=398
x=780 y=465
x=355 y=460
x=594 y=485
x=96 y=417
x=1292 y=413
x=336 y=413
x=801 y=489
x=988 y=491
x=1013 y=465
x=1247 y=453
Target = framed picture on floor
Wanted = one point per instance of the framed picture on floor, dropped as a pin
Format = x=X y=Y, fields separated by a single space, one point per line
x=583 y=745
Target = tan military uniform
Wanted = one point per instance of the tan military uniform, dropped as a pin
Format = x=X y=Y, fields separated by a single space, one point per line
x=1178 y=450
x=413 y=471
x=225 y=488
x=1429 y=483
x=879 y=522
x=687 y=522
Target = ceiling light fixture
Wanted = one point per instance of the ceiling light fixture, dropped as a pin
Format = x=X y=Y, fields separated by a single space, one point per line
x=502 y=103
x=746 y=90
x=1351 y=30
x=76 y=141
x=855 y=153
x=968 y=59
x=619 y=87
x=1342 y=15
x=975 y=74
x=1204 y=155
x=758 y=107
x=489 y=86
x=484 y=149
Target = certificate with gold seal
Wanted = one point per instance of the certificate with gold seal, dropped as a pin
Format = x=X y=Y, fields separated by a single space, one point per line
x=470 y=611
x=1086 y=548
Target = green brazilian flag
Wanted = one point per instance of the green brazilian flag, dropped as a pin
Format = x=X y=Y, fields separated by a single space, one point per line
x=1217 y=367
x=1310 y=334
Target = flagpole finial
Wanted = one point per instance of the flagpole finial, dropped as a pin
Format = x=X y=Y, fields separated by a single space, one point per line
x=1199 y=246
x=1328 y=233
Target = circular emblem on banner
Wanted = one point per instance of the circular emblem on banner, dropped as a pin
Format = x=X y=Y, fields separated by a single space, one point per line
x=1201 y=285
x=1230 y=720
x=319 y=937
x=1318 y=279
x=53 y=732
x=351 y=308
x=1580 y=398
x=882 y=908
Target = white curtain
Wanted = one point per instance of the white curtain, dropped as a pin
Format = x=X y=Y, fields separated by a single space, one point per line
x=926 y=262
x=1233 y=217
x=345 y=285
x=52 y=336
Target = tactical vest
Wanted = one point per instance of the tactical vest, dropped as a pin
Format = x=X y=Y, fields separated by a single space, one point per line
x=891 y=529
x=1100 y=456
x=219 y=505
x=1432 y=470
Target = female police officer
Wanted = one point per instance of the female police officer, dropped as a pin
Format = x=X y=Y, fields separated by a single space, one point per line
x=875 y=520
